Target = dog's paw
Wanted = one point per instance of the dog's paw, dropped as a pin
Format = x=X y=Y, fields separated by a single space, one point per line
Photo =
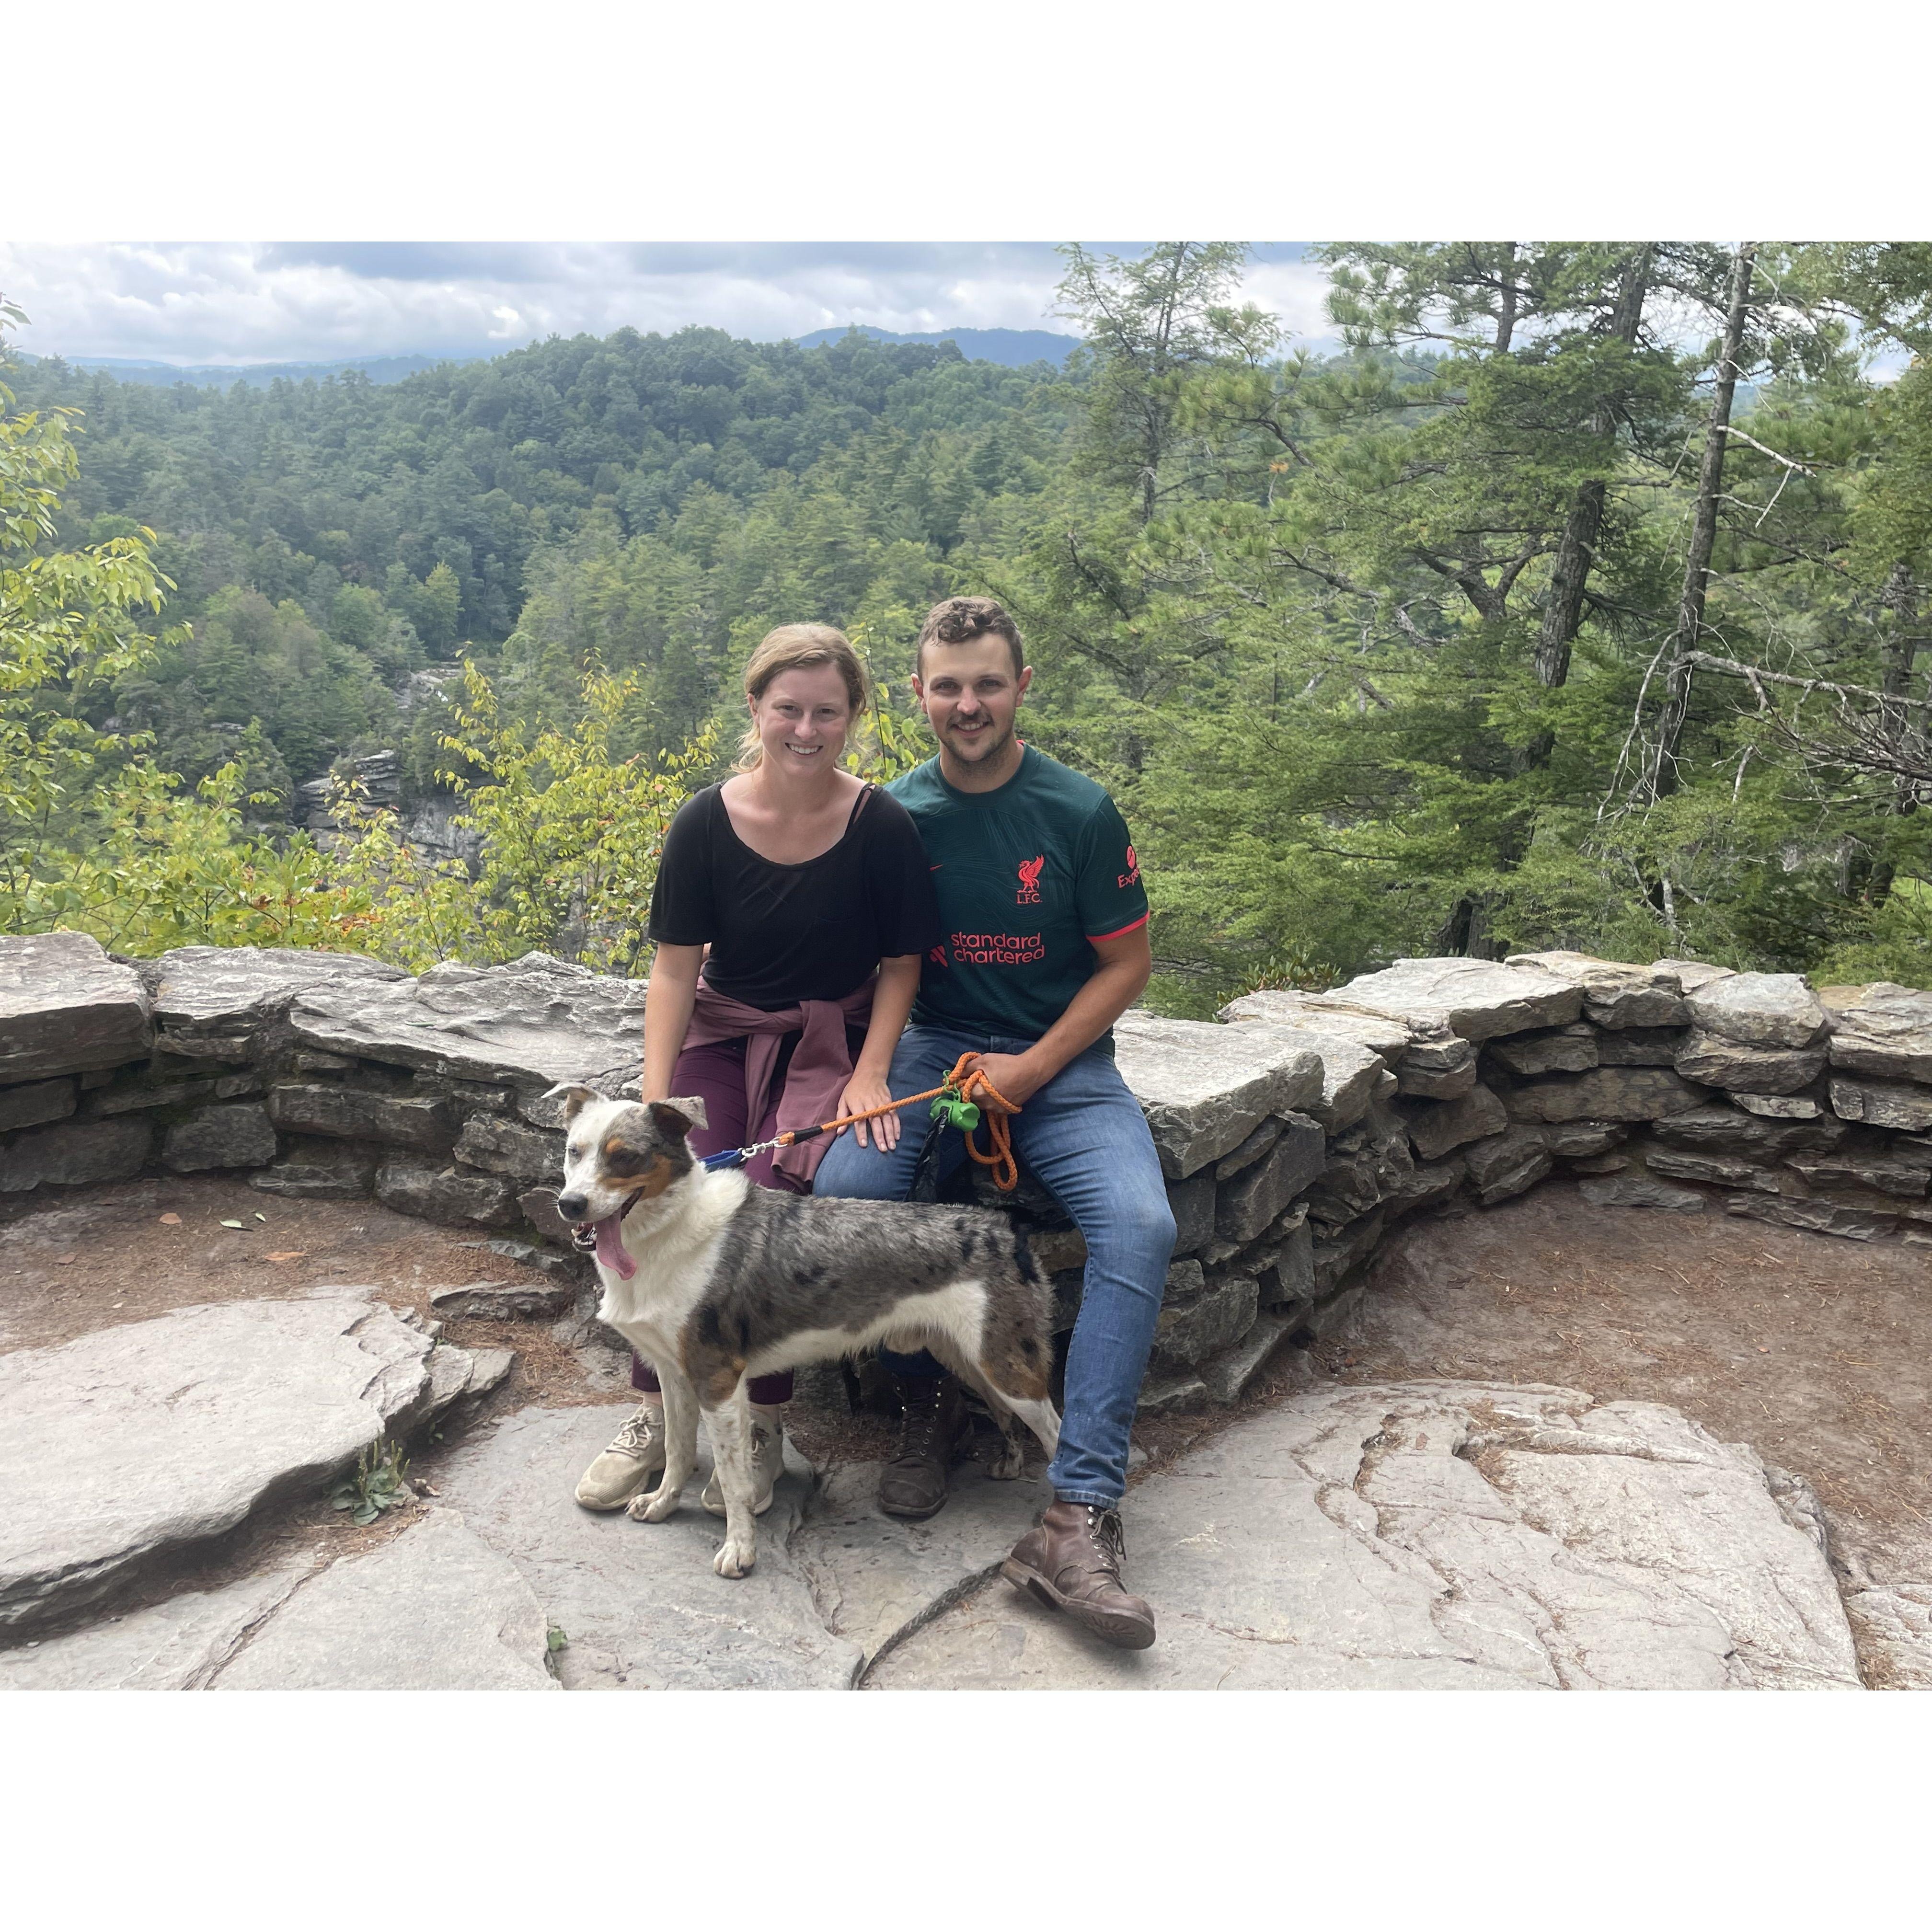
x=1009 y=1465
x=652 y=1508
x=735 y=1558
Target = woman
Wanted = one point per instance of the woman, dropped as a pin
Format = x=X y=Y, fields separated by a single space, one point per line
x=812 y=892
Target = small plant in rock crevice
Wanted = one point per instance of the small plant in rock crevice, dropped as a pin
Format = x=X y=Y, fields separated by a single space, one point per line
x=377 y=1485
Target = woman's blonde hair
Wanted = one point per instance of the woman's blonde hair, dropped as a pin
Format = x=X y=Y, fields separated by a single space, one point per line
x=800 y=647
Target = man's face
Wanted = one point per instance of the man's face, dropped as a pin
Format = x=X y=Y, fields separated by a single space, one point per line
x=969 y=695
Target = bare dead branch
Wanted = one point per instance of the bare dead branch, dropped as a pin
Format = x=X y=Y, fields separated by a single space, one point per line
x=1755 y=675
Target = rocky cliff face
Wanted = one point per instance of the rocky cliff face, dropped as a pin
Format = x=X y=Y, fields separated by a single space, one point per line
x=427 y=825
x=1294 y=1134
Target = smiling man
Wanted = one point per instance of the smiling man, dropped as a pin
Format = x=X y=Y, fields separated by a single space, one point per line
x=1046 y=947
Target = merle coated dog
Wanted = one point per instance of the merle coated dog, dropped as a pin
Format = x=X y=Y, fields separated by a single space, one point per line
x=712 y=1281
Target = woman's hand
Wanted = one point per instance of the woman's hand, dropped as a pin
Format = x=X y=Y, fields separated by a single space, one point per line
x=866 y=1092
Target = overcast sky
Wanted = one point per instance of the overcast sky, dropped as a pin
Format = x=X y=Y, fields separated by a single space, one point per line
x=205 y=302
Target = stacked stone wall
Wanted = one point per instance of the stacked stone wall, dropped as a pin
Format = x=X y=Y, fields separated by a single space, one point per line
x=1295 y=1133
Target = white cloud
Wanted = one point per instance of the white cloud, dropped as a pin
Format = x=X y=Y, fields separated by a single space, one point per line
x=242 y=302
x=1297 y=291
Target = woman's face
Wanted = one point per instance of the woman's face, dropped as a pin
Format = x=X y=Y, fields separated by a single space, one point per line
x=802 y=717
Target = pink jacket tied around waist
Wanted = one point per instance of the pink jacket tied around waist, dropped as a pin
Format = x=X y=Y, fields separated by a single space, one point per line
x=821 y=1063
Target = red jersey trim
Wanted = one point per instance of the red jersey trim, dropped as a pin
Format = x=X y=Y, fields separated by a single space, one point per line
x=1119 y=931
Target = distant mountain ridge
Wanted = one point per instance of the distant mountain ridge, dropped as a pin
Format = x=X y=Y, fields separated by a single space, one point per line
x=259 y=375
x=1009 y=348
x=1012 y=348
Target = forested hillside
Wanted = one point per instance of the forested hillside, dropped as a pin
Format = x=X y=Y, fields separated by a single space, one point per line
x=325 y=539
x=1578 y=603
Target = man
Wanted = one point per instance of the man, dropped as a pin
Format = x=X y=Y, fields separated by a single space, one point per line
x=1046 y=946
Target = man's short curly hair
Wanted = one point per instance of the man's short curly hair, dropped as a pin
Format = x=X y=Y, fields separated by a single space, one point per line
x=959 y=620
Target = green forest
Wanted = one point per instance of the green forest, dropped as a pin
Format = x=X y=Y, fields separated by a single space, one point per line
x=1577 y=600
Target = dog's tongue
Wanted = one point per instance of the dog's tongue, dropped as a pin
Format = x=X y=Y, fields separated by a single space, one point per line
x=610 y=1249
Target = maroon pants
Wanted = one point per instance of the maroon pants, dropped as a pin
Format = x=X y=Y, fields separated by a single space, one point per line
x=716 y=1074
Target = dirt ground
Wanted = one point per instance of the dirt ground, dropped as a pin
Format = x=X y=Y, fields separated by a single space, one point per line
x=66 y=1267
x=1813 y=1349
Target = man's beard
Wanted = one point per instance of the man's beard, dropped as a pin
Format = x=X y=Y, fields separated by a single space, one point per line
x=977 y=752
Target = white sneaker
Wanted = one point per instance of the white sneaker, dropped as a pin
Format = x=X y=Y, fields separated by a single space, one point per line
x=767 y=1463
x=626 y=1468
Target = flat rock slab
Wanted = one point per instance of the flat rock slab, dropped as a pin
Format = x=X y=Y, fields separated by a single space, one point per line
x=639 y=1602
x=1760 y=1010
x=1637 y=1190
x=1388 y=1037
x=1473 y=997
x=875 y=1579
x=1887 y=1032
x=158 y=1436
x=75 y=1153
x=1439 y=1126
x=1437 y=1535
x=220 y=997
x=435 y=1609
x=1690 y=973
x=1877 y=1103
x=533 y=1022
x=1615 y=995
x=65 y=1007
x=31 y=1106
x=1606 y=1093
x=180 y=1644
x=1206 y=1088
x=1715 y=1061
x=1352 y=1076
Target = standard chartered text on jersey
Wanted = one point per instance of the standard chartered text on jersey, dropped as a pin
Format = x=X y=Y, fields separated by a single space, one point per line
x=996 y=949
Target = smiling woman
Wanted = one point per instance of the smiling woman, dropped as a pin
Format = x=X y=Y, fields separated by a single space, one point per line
x=793 y=907
x=820 y=674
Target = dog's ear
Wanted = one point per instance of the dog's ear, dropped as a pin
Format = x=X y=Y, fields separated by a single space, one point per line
x=678 y=1117
x=574 y=1098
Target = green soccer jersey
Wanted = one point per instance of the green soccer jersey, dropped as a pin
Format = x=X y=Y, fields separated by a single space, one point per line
x=1028 y=877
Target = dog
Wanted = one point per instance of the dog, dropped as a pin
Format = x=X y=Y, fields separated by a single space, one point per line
x=713 y=1281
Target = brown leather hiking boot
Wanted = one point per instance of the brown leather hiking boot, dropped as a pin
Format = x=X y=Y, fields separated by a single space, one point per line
x=1072 y=1562
x=934 y=1430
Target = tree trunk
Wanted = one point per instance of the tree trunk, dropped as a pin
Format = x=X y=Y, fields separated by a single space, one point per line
x=1900 y=598
x=1465 y=932
x=1564 y=613
x=1703 y=531
x=1577 y=551
x=1506 y=301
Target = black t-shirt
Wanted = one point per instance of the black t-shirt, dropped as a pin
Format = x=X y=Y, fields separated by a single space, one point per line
x=780 y=934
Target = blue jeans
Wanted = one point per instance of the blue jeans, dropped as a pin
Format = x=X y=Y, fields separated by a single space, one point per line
x=1084 y=1137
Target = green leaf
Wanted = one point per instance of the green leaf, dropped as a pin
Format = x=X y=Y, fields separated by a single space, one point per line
x=235 y=1224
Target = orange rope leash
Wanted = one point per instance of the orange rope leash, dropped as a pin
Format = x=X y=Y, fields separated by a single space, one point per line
x=968 y=1084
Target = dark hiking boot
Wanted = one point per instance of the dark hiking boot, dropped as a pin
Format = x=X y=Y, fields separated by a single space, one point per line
x=934 y=1431
x=1072 y=1562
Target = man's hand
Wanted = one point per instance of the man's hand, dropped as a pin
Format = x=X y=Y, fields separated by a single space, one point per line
x=861 y=1096
x=1014 y=1075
